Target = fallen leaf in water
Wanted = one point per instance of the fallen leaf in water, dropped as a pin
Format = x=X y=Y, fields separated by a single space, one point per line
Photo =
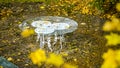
x=27 y=32
x=10 y=59
x=113 y=39
x=118 y=6
x=38 y=56
x=66 y=65
x=55 y=59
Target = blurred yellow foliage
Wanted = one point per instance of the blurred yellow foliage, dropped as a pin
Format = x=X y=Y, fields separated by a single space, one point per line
x=117 y=56
x=111 y=59
x=27 y=32
x=113 y=39
x=66 y=65
x=55 y=59
x=38 y=56
x=1 y=66
x=85 y=10
x=112 y=25
x=118 y=6
x=108 y=26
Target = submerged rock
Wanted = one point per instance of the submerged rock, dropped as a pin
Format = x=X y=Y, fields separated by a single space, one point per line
x=6 y=64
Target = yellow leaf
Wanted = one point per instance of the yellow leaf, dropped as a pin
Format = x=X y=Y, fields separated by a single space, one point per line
x=113 y=39
x=66 y=65
x=112 y=25
x=117 y=56
x=116 y=23
x=108 y=26
x=1 y=66
x=109 y=64
x=85 y=10
x=38 y=56
x=109 y=54
x=118 y=6
x=115 y=20
x=109 y=59
x=10 y=59
x=27 y=32
x=54 y=59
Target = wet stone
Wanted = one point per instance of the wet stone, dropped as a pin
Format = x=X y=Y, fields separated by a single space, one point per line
x=6 y=64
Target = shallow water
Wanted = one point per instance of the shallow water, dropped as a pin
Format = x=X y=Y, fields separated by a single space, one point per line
x=86 y=44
